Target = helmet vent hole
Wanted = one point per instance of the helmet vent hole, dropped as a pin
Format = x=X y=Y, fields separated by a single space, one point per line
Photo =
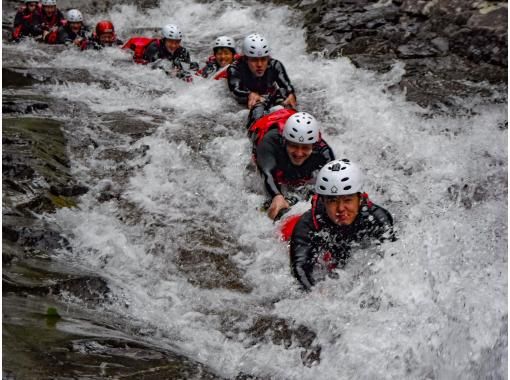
x=322 y=187
x=325 y=179
x=343 y=168
x=345 y=179
x=347 y=187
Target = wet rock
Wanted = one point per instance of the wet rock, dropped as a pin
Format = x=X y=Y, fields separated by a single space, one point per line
x=19 y=107
x=471 y=36
x=416 y=50
x=81 y=350
x=288 y=334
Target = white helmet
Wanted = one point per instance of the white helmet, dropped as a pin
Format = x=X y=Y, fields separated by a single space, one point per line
x=339 y=177
x=74 y=15
x=30 y=1
x=256 y=45
x=301 y=128
x=49 y=2
x=224 y=41
x=171 y=32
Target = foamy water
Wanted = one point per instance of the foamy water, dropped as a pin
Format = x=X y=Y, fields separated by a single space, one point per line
x=431 y=305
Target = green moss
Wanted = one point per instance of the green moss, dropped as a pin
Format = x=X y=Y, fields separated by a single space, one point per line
x=60 y=201
x=42 y=143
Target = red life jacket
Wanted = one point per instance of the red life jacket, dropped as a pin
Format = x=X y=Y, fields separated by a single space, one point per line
x=138 y=46
x=262 y=125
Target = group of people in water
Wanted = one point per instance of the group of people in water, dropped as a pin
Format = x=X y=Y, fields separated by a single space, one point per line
x=287 y=146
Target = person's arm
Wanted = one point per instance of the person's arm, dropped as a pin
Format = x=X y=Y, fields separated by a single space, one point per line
x=151 y=53
x=283 y=79
x=235 y=84
x=63 y=37
x=301 y=251
x=382 y=228
x=326 y=152
x=266 y=162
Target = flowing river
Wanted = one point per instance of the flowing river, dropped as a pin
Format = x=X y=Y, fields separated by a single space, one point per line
x=172 y=223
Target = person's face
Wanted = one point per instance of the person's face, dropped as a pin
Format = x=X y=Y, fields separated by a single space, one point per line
x=298 y=153
x=172 y=45
x=75 y=27
x=31 y=6
x=224 y=56
x=342 y=210
x=49 y=10
x=107 y=38
x=258 y=65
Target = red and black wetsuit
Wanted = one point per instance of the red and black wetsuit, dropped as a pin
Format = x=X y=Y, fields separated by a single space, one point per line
x=315 y=235
x=67 y=36
x=276 y=168
x=48 y=22
x=27 y=24
x=241 y=81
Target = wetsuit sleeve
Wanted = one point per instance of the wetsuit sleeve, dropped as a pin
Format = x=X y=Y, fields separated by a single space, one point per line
x=18 y=19
x=301 y=251
x=63 y=37
x=235 y=84
x=283 y=79
x=326 y=152
x=151 y=53
x=266 y=162
x=383 y=231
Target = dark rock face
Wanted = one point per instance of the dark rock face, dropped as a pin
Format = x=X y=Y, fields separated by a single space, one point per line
x=442 y=42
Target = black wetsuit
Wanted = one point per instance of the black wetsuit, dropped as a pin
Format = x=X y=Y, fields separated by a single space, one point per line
x=315 y=235
x=67 y=36
x=275 y=83
x=276 y=168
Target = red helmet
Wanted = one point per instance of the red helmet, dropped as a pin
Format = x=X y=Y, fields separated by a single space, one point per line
x=104 y=26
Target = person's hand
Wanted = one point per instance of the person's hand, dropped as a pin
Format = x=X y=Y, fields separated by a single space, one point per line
x=253 y=99
x=290 y=101
x=277 y=204
x=78 y=41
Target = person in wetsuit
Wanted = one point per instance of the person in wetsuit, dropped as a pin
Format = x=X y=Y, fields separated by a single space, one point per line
x=103 y=36
x=169 y=48
x=51 y=19
x=291 y=158
x=27 y=21
x=74 y=31
x=224 y=53
x=259 y=81
x=341 y=216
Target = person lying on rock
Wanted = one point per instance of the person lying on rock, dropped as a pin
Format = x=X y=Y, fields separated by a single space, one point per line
x=291 y=158
x=259 y=81
x=74 y=32
x=224 y=53
x=341 y=216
